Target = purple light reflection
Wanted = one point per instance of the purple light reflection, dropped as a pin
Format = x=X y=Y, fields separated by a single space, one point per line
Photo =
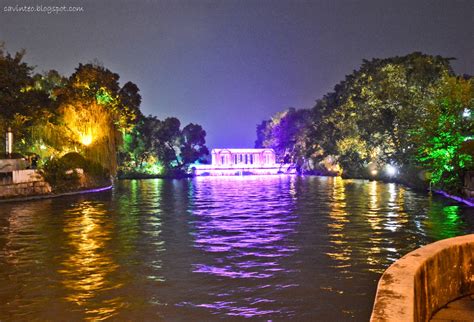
x=243 y=236
x=458 y=199
x=239 y=311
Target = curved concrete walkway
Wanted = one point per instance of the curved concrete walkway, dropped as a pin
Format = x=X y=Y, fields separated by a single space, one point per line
x=456 y=311
x=425 y=280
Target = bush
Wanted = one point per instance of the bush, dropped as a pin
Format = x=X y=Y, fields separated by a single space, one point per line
x=57 y=173
x=73 y=160
x=62 y=175
x=97 y=173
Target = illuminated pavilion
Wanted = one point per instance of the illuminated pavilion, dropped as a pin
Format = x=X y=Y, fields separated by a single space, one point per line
x=230 y=162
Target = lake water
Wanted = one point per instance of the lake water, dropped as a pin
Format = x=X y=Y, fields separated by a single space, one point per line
x=262 y=248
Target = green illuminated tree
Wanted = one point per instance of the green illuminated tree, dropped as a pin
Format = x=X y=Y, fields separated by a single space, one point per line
x=162 y=143
x=442 y=132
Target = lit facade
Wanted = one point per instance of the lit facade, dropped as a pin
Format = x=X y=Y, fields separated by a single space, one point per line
x=243 y=157
x=228 y=162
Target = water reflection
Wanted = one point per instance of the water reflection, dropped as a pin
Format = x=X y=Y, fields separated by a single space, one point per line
x=271 y=248
x=246 y=234
x=444 y=221
x=339 y=218
x=23 y=254
x=87 y=266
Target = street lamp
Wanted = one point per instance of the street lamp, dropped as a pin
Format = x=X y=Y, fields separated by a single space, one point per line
x=9 y=142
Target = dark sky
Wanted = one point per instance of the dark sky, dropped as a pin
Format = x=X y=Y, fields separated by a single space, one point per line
x=227 y=65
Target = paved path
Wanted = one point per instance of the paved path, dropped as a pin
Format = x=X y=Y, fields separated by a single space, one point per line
x=456 y=311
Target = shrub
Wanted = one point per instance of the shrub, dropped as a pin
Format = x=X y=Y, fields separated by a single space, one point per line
x=74 y=160
x=62 y=175
x=56 y=173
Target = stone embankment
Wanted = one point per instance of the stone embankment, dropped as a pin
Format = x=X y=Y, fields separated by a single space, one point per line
x=23 y=183
x=28 y=184
x=416 y=286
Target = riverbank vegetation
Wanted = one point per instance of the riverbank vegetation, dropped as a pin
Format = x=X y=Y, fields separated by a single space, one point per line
x=410 y=115
x=92 y=115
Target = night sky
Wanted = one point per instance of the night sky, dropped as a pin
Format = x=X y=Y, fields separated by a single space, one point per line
x=228 y=65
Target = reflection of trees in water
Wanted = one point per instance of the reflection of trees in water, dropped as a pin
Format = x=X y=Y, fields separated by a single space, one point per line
x=87 y=265
x=140 y=228
x=243 y=226
x=444 y=221
x=25 y=246
x=361 y=215
x=372 y=223
x=342 y=249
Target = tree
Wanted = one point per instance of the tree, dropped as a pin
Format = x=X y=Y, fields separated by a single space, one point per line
x=130 y=101
x=442 y=132
x=285 y=133
x=22 y=103
x=97 y=113
x=139 y=151
x=155 y=144
x=377 y=105
x=193 y=145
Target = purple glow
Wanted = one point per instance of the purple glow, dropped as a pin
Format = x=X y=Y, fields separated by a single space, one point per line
x=459 y=199
x=239 y=311
x=244 y=237
x=80 y=192
x=238 y=162
x=89 y=191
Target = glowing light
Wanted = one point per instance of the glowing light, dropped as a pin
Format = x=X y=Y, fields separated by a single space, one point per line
x=86 y=139
x=467 y=113
x=153 y=168
x=391 y=170
x=374 y=172
x=241 y=162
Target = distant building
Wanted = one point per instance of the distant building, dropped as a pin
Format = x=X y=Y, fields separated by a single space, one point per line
x=247 y=157
x=229 y=162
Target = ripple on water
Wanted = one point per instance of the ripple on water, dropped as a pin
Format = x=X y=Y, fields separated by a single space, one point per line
x=210 y=248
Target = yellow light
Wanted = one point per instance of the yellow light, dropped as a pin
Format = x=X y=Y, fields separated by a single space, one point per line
x=374 y=172
x=86 y=139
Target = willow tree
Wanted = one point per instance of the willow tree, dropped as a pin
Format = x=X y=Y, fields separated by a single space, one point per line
x=96 y=113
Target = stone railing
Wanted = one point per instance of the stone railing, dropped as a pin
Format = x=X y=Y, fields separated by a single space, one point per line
x=425 y=280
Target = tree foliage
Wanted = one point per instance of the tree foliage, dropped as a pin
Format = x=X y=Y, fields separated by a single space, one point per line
x=23 y=103
x=91 y=114
x=443 y=131
x=157 y=147
x=285 y=132
x=401 y=110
